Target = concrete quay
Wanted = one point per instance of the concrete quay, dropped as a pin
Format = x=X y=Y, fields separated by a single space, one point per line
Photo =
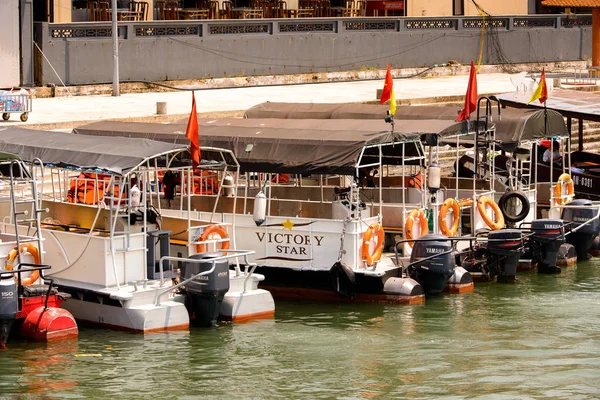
x=216 y=101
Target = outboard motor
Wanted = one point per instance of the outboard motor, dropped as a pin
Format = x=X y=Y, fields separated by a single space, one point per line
x=9 y=304
x=205 y=294
x=579 y=233
x=504 y=247
x=547 y=236
x=434 y=273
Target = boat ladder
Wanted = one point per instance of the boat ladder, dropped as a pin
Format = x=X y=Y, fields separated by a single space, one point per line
x=25 y=209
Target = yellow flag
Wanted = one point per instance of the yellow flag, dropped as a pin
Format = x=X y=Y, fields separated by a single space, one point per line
x=392 y=103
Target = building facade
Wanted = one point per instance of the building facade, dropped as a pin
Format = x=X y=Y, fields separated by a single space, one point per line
x=9 y=44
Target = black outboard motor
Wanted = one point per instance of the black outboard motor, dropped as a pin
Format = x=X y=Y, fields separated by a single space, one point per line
x=504 y=247
x=581 y=237
x=9 y=304
x=204 y=295
x=547 y=236
x=434 y=273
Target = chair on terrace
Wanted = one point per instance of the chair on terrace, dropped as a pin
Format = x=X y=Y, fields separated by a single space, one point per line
x=172 y=10
x=92 y=8
x=213 y=9
x=160 y=9
x=139 y=10
x=225 y=13
x=326 y=8
x=352 y=9
x=281 y=9
x=103 y=12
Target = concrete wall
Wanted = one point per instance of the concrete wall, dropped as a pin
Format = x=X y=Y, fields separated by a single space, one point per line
x=9 y=43
x=156 y=51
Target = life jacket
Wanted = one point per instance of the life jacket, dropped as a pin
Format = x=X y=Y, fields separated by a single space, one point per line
x=203 y=182
x=281 y=178
x=88 y=188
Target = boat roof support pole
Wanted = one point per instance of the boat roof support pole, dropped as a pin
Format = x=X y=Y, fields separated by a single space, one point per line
x=157 y=190
x=380 y=183
x=246 y=190
x=457 y=166
x=321 y=186
x=580 y=144
x=235 y=196
x=404 y=188
x=188 y=198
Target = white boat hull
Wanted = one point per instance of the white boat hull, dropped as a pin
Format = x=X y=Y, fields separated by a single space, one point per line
x=169 y=315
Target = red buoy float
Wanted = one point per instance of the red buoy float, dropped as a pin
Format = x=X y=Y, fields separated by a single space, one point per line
x=49 y=325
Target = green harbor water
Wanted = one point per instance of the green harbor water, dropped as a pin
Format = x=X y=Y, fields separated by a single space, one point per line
x=538 y=338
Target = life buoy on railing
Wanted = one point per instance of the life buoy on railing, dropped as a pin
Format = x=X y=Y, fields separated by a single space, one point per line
x=213 y=230
x=482 y=203
x=558 y=196
x=372 y=230
x=446 y=205
x=417 y=213
x=14 y=253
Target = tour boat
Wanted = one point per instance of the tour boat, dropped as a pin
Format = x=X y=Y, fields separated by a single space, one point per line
x=322 y=232
x=29 y=301
x=107 y=243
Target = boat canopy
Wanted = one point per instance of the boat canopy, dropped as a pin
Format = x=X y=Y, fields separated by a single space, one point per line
x=295 y=146
x=317 y=111
x=518 y=126
x=570 y=103
x=514 y=126
x=118 y=155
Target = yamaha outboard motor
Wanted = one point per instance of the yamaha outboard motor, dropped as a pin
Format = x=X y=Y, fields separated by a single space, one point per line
x=504 y=247
x=9 y=304
x=547 y=236
x=433 y=274
x=580 y=232
x=205 y=294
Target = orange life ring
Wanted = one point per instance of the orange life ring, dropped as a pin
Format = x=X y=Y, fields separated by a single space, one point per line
x=455 y=217
x=367 y=236
x=417 y=213
x=25 y=248
x=213 y=229
x=558 y=189
x=484 y=201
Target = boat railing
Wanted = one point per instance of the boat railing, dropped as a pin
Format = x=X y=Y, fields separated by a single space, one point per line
x=231 y=254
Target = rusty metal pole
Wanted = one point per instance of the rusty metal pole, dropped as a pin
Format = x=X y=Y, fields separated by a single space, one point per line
x=596 y=37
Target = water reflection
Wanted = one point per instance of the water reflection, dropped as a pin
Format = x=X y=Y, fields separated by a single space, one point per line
x=537 y=338
x=44 y=367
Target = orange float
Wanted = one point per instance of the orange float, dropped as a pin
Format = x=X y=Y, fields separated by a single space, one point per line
x=446 y=205
x=213 y=230
x=25 y=248
x=372 y=258
x=417 y=213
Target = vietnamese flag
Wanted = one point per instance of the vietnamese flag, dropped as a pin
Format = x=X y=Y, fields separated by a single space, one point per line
x=541 y=92
x=191 y=132
x=470 y=97
x=388 y=91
